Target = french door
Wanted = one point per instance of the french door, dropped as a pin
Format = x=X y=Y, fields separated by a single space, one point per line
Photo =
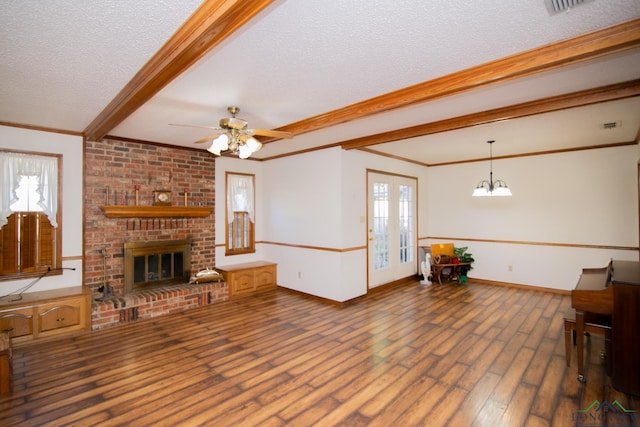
x=391 y=225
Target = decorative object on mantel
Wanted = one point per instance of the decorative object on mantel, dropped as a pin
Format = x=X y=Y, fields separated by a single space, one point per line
x=236 y=137
x=161 y=198
x=491 y=188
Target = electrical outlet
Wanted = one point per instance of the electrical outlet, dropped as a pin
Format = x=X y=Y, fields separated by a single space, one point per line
x=299 y=275
x=510 y=268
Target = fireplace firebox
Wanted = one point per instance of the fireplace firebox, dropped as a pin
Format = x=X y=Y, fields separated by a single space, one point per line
x=155 y=264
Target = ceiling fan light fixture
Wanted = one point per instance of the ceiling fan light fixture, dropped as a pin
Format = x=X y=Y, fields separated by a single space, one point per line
x=219 y=144
x=237 y=138
x=253 y=144
x=491 y=187
x=244 y=151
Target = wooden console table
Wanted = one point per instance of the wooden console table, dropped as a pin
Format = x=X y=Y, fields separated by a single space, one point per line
x=438 y=270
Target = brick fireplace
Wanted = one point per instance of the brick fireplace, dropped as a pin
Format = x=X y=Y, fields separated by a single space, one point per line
x=117 y=173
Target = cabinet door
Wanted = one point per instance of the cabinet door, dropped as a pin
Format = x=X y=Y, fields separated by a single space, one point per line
x=17 y=322
x=242 y=282
x=58 y=316
x=265 y=277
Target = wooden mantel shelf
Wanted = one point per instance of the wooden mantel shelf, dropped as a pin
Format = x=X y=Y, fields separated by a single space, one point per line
x=156 y=211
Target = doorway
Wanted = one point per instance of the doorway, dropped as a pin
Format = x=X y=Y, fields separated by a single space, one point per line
x=391 y=227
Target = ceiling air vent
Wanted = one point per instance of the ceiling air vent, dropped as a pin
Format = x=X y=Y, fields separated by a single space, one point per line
x=557 y=6
x=611 y=125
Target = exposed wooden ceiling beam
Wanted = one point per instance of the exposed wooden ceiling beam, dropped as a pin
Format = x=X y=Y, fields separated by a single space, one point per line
x=610 y=40
x=210 y=24
x=545 y=105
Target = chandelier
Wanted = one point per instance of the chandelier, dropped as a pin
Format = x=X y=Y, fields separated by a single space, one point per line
x=491 y=187
x=236 y=141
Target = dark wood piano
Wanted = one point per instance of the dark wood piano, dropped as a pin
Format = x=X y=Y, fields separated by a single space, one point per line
x=613 y=290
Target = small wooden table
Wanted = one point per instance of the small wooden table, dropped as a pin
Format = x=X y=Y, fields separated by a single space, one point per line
x=438 y=269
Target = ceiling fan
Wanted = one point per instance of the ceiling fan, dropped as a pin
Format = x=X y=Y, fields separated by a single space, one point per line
x=236 y=136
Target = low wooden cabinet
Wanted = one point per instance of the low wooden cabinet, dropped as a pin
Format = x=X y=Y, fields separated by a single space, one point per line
x=6 y=364
x=245 y=279
x=47 y=313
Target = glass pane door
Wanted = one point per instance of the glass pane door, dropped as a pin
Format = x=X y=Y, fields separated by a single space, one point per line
x=392 y=238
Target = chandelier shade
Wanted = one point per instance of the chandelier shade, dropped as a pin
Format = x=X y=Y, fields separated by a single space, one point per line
x=491 y=187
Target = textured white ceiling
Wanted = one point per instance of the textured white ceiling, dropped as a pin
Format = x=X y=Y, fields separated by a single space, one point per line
x=63 y=61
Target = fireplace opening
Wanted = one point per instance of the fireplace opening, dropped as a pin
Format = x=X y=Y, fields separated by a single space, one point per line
x=154 y=264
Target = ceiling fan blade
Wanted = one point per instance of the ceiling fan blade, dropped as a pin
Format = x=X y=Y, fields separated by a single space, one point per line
x=273 y=133
x=207 y=138
x=196 y=126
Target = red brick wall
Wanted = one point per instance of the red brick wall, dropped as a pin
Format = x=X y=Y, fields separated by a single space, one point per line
x=122 y=165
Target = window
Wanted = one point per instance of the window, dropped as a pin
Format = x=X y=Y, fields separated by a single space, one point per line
x=30 y=235
x=240 y=227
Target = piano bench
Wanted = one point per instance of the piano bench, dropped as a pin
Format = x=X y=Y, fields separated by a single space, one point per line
x=589 y=328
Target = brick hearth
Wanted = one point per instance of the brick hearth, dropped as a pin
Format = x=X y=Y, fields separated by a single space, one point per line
x=155 y=302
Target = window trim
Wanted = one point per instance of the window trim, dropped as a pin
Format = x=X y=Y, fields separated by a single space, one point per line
x=57 y=235
x=252 y=245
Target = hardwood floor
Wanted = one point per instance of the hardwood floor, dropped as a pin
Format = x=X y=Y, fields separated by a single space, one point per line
x=470 y=355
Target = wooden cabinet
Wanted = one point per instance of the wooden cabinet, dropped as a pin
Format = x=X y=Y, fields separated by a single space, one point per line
x=17 y=322
x=47 y=313
x=245 y=279
x=6 y=365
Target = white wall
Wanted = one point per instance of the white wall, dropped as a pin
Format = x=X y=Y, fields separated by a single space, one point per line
x=311 y=216
x=316 y=210
x=70 y=147
x=310 y=210
x=560 y=203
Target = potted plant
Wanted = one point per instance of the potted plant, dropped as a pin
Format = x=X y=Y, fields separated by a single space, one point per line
x=463 y=258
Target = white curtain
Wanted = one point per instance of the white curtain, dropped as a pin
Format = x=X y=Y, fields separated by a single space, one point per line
x=239 y=195
x=15 y=165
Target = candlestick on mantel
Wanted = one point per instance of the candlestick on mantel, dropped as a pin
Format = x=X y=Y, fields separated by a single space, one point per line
x=186 y=197
x=137 y=195
x=107 y=199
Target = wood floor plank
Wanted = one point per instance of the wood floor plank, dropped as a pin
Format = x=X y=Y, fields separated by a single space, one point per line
x=535 y=421
x=518 y=407
x=356 y=395
x=407 y=355
x=475 y=399
x=376 y=403
x=446 y=408
x=422 y=405
x=538 y=366
x=512 y=378
x=543 y=406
